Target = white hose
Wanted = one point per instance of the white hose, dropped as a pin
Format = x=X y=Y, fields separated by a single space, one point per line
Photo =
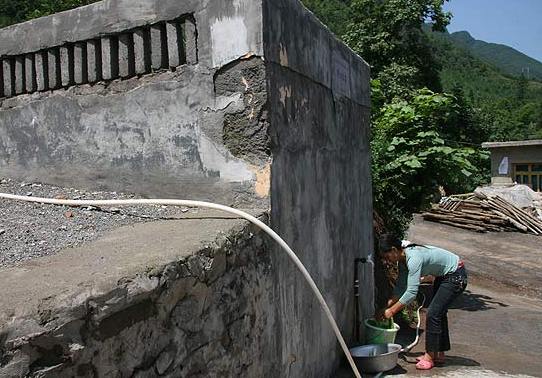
x=209 y=205
x=417 y=339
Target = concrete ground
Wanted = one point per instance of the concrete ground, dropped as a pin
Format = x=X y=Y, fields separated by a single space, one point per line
x=496 y=326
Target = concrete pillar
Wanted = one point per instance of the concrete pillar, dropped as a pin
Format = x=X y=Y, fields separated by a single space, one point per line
x=40 y=65
x=30 y=73
x=1 y=80
x=190 y=38
x=159 y=58
x=125 y=45
x=110 y=58
x=53 y=65
x=174 y=44
x=7 y=67
x=142 y=51
x=20 y=85
x=80 y=63
x=94 y=60
x=66 y=66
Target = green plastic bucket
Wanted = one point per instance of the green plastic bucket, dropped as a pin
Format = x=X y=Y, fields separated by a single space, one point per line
x=378 y=335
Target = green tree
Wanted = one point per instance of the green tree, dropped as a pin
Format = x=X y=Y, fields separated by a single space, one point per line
x=14 y=11
x=412 y=157
x=389 y=35
x=334 y=13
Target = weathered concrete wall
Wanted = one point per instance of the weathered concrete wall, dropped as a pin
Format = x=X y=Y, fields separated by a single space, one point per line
x=164 y=129
x=321 y=198
x=197 y=310
x=275 y=109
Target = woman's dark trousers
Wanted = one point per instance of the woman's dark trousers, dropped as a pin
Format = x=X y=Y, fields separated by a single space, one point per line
x=446 y=289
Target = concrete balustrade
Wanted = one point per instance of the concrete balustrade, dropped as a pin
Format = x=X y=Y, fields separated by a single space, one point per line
x=139 y=51
x=8 y=76
x=66 y=72
x=174 y=44
x=80 y=63
x=19 y=75
x=159 y=53
x=94 y=61
x=41 y=69
x=142 y=51
x=53 y=61
x=190 y=41
x=30 y=73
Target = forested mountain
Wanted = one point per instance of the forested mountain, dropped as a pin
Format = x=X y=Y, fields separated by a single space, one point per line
x=505 y=58
x=510 y=107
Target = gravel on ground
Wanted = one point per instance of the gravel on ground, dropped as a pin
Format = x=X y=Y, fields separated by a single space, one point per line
x=32 y=230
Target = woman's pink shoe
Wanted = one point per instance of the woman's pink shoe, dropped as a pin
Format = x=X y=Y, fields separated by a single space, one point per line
x=435 y=360
x=424 y=365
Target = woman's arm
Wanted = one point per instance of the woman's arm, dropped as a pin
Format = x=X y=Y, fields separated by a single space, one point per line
x=392 y=300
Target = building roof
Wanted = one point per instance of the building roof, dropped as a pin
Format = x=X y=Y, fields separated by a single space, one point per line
x=518 y=143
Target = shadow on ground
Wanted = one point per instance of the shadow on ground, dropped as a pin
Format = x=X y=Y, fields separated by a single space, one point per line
x=470 y=301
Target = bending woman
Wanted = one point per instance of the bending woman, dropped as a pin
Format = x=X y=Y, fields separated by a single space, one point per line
x=450 y=275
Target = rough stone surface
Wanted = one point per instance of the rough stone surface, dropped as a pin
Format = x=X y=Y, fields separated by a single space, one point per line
x=198 y=308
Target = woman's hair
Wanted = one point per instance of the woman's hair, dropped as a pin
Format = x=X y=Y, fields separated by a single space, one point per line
x=387 y=241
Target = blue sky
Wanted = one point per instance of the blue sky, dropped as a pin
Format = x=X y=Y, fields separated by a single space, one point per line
x=516 y=23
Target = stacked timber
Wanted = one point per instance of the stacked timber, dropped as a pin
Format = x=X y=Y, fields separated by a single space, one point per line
x=481 y=213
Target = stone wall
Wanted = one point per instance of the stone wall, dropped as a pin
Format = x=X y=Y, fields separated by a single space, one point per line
x=204 y=315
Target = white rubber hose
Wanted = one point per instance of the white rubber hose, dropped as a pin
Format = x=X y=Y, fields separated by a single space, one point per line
x=209 y=205
x=418 y=325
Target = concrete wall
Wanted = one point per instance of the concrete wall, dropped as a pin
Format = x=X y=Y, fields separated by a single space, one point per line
x=516 y=155
x=321 y=199
x=147 y=114
x=275 y=109
x=205 y=313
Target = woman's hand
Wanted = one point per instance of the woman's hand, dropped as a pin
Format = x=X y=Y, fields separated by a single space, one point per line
x=388 y=314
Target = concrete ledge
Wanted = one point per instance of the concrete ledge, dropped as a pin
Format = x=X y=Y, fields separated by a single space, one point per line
x=181 y=296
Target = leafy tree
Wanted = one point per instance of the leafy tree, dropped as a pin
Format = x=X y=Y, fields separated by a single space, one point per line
x=14 y=11
x=389 y=35
x=411 y=156
x=333 y=13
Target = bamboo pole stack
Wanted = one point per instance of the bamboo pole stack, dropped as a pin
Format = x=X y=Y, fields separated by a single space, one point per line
x=481 y=213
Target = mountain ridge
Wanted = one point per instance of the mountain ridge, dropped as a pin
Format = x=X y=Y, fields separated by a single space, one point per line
x=507 y=59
